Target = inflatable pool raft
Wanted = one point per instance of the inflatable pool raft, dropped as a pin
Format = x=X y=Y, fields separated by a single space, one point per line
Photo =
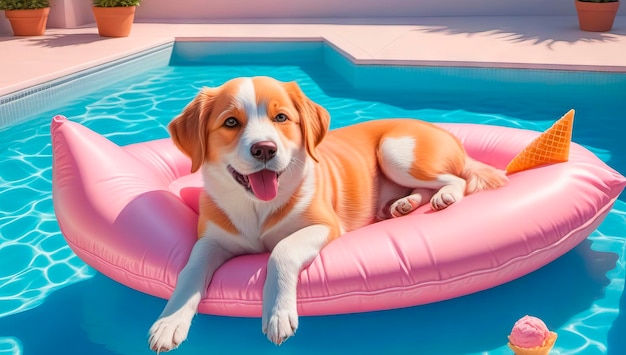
x=131 y=213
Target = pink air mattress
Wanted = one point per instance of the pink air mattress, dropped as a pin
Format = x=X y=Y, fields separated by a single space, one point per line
x=131 y=212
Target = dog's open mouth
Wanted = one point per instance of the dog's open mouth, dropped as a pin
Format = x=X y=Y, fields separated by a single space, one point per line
x=263 y=184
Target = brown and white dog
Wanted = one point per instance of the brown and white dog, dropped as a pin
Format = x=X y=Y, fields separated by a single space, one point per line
x=276 y=180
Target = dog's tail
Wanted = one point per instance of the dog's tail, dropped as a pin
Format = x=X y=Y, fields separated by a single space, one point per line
x=480 y=176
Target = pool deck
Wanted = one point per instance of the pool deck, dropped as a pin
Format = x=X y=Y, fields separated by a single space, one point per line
x=516 y=42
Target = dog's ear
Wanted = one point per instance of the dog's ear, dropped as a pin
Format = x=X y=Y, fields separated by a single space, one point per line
x=314 y=119
x=189 y=130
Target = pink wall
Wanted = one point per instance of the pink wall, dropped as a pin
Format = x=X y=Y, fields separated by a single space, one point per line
x=75 y=13
x=184 y=10
x=69 y=13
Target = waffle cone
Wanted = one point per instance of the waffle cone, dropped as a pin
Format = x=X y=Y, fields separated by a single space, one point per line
x=537 y=350
x=552 y=146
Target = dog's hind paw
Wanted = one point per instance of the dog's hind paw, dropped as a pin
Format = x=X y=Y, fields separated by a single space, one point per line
x=445 y=197
x=167 y=333
x=403 y=206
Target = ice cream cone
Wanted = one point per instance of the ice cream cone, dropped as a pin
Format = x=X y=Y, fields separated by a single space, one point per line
x=552 y=146
x=537 y=350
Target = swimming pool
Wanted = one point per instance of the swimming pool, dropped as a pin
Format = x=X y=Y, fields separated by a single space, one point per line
x=47 y=294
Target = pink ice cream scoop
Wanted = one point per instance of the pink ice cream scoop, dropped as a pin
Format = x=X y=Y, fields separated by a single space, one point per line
x=529 y=332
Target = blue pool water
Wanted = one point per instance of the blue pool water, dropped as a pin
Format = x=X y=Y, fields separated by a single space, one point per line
x=52 y=303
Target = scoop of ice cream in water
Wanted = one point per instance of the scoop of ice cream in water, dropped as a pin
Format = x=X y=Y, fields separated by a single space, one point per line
x=530 y=336
x=529 y=332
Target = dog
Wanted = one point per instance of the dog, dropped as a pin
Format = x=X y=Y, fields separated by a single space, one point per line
x=276 y=180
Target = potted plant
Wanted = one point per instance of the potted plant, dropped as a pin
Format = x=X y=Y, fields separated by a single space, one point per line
x=27 y=17
x=596 y=15
x=114 y=18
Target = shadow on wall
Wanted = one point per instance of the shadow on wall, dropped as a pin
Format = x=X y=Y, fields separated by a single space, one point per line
x=5 y=27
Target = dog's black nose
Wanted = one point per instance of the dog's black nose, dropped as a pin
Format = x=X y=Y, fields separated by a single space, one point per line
x=264 y=150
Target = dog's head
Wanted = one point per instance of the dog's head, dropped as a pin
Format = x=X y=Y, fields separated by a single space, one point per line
x=251 y=129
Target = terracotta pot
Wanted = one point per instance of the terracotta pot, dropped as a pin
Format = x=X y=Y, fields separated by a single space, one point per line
x=114 y=21
x=30 y=22
x=596 y=16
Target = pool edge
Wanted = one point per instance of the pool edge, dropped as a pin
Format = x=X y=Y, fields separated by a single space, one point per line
x=14 y=108
x=341 y=57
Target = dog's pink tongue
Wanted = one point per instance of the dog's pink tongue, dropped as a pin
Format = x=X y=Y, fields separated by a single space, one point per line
x=264 y=184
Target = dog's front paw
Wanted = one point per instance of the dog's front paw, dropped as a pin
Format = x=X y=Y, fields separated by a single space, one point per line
x=168 y=332
x=280 y=324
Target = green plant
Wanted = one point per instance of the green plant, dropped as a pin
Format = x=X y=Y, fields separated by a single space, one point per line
x=115 y=3
x=599 y=0
x=23 y=4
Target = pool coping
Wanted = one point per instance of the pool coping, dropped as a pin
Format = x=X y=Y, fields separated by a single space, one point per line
x=357 y=57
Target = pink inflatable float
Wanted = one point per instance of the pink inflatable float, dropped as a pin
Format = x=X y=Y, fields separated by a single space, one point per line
x=131 y=213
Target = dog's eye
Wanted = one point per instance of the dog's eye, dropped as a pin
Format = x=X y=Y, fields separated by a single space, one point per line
x=281 y=117
x=231 y=122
